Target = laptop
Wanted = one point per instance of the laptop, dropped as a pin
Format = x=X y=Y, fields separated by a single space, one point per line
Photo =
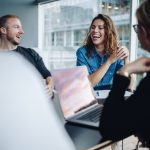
x=76 y=96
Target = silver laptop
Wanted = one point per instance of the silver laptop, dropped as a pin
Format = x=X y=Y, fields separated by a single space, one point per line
x=76 y=96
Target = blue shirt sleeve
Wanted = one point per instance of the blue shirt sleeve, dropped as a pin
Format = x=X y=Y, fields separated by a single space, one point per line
x=120 y=64
x=82 y=59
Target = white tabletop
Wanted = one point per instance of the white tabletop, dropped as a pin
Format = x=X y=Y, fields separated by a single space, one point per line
x=103 y=94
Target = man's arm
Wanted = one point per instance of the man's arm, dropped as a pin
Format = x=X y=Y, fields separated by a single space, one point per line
x=120 y=117
x=114 y=121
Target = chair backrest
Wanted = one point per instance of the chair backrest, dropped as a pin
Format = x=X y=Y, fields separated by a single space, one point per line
x=28 y=118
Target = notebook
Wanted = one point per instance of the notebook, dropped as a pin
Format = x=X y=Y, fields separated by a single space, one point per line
x=76 y=96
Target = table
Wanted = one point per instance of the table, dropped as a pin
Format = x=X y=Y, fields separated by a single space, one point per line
x=83 y=137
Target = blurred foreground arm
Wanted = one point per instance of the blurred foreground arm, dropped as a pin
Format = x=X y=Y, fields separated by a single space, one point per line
x=49 y=86
x=123 y=52
x=140 y=65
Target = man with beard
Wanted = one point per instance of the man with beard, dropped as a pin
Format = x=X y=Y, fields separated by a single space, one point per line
x=11 y=32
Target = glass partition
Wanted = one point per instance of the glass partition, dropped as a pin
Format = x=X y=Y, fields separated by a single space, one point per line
x=65 y=24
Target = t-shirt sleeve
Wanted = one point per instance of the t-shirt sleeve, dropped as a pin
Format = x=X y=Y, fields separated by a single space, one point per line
x=120 y=64
x=40 y=64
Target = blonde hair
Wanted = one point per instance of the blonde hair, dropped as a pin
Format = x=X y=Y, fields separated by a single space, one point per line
x=143 y=15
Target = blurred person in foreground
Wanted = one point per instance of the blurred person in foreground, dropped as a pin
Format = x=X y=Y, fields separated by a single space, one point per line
x=28 y=119
x=101 y=53
x=121 y=118
x=11 y=32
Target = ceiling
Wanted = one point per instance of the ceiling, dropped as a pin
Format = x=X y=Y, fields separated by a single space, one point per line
x=23 y=1
x=13 y=1
x=17 y=1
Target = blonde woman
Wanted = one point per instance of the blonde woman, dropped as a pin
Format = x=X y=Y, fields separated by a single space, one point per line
x=122 y=118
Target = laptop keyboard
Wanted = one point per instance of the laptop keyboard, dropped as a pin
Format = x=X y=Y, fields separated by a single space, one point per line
x=93 y=115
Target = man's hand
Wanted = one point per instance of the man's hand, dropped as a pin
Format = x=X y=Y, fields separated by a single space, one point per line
x=49 y=86
x=140 y=65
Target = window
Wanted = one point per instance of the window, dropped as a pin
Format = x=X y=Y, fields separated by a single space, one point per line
x=53 y=39
x=65 y=27
x=68 y=39
x=66 y=22
x=79 y=36
x=60 y=38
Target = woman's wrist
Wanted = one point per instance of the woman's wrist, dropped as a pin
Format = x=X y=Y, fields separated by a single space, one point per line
x=126 y=60
x=110 y=61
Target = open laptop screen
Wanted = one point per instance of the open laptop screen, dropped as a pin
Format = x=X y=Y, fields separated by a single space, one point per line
x=74 y=89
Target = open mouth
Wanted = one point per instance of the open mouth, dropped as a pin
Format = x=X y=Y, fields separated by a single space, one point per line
x=18 y=37
x=95 y=37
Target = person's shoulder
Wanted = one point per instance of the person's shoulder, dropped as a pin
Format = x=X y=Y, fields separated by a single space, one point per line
x=81 y=49
x=120 y=61
x=27 y=50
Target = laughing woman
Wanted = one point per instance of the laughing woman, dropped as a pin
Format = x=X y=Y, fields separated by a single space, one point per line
x=101 y=53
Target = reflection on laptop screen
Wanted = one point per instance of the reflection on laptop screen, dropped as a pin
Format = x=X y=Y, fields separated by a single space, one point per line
x=74 y=89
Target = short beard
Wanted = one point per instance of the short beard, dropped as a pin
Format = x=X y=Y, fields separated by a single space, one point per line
x=13 y=42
